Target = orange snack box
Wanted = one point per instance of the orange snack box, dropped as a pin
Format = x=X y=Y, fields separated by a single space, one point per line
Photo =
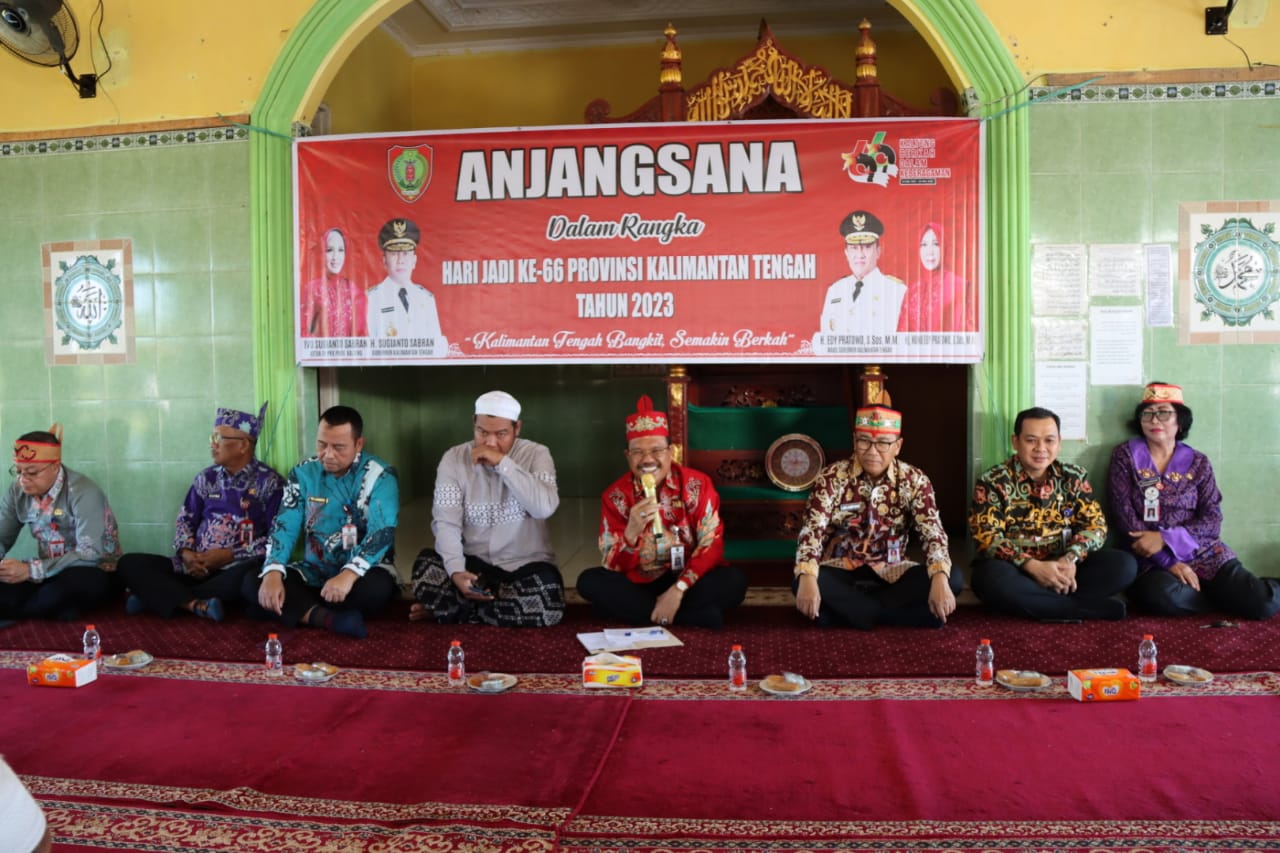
x=62 y=671
x=610 y=670
x=1103 y=685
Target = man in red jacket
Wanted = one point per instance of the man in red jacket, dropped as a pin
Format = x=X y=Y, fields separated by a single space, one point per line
x=661 y=538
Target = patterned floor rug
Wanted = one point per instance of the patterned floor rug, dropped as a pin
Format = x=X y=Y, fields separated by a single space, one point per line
x=217 y=756
x=775 y=638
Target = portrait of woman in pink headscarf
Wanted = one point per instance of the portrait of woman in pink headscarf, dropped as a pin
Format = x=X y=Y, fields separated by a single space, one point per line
x=333 y=306
x=938 y=300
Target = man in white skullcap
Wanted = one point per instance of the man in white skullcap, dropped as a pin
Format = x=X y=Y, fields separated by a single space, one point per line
x=22 y=824
x=492 y=562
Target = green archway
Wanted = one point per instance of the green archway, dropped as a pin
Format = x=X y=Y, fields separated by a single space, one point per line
x=971 y=46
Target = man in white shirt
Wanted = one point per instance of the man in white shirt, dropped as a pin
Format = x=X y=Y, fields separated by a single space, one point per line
x=492 y=562
x=397 y=306
x=865 y=302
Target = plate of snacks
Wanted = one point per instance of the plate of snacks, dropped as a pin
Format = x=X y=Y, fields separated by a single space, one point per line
x=135 y=659
x=785 y=684
x=315 y=673
x=1192 y=676
x=491 y=682
x=1022 y=679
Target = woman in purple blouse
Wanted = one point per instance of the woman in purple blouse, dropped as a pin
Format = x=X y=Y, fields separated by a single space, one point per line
x=1164 y=499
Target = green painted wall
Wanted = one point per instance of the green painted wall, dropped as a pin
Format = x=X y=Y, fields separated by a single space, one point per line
x=140 y=430
x=1115 y=172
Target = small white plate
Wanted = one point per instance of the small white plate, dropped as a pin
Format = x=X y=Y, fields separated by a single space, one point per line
x=491 y=682
x=1042 y=681
x=128 y=660
x=315 y=673
x=778 y=686
x=1188 y=676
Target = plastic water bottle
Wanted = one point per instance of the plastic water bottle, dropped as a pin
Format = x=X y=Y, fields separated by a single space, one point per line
x=986 y=664
x=457 y=664
x=737 y=670
x=275 y=655
x=1147 y=659
x=92 y=643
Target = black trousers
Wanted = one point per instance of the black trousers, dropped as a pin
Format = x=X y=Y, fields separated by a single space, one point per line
x=863 y=599
x=614 y=596
x=65 y=595
x=369 y=594
x=1004 y=587
x=1234 y=589
x=163 y=591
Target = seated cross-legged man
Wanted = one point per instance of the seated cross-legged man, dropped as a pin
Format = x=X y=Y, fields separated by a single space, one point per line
x=73 y=527
x=492 y=562
x=662 y=539
x=221 y=532
x=851 y=563
x=343 y=503
x=1039 y=533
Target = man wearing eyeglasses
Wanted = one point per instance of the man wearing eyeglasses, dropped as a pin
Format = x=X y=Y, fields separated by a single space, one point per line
x=492 y=562
x=1039 y=534
x=851 y=560
x=662 y=538
x=74 y=531
x=221 y=531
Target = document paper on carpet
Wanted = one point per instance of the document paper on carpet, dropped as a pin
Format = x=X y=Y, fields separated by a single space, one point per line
x=627 y=639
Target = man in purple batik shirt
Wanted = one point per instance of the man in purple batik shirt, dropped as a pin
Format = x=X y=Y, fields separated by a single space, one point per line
x=222 y=528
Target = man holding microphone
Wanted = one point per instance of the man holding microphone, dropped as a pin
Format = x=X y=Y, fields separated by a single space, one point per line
x=661 y=538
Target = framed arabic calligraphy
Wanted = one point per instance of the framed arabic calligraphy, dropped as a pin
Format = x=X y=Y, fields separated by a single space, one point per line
x=88 y=302
x=1229 y=263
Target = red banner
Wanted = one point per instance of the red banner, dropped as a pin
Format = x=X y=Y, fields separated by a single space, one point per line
x=853 y=241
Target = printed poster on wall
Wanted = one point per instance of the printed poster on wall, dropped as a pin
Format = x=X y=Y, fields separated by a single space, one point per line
x=846 y=241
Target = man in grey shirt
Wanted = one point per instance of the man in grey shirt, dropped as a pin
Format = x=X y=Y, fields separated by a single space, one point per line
x=73 y=528
x=492 y=562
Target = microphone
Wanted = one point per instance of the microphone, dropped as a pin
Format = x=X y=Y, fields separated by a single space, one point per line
x=650 y=490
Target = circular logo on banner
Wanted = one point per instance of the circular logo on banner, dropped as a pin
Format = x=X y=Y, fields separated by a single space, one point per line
x=1236 y=272
x=88 y=302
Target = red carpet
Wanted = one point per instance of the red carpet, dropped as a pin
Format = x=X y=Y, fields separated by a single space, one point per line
x=775 y=638
x=189 y=756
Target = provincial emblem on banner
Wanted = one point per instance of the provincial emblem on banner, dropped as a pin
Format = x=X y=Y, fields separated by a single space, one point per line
x=871 y=162
x=409 y=170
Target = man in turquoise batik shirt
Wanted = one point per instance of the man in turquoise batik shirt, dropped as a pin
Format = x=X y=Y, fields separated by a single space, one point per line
x=344 y=503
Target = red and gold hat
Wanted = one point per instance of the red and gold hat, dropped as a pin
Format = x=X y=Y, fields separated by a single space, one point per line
x=39 y=451
x=1159 y=393
x=646 y=421
x=878 y=420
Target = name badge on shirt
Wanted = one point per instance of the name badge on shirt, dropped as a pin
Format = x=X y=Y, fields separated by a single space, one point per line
x=677 y=558
x=853 y=506
x=350 y=536
x=1151 y=504
x=1066 y=537
x=895 y=549
x=57 y=545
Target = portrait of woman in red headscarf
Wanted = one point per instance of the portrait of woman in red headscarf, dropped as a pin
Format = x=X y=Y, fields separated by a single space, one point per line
x=938 y=300
x=333 y=306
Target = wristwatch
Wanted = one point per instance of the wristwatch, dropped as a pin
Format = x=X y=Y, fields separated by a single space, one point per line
x=682 y=585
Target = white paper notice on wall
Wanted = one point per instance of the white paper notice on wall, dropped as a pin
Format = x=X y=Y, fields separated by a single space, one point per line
x=1159 y=259
x=1062 y=388
x=1115 y=344
x=1060 y=338
x=1115 y=269
x=1059 y=273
